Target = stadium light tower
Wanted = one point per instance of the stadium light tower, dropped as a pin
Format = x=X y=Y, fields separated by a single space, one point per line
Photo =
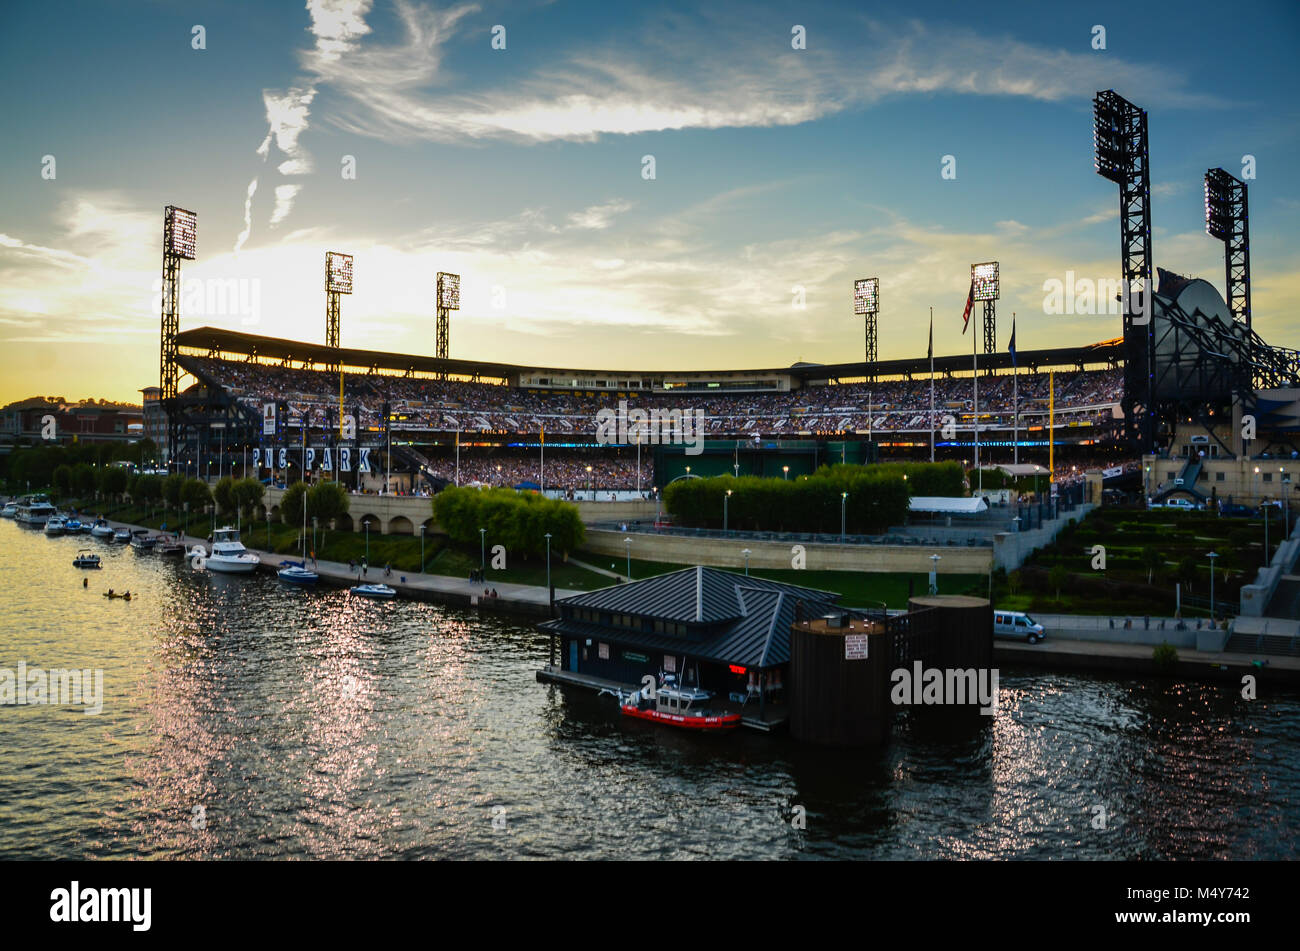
x=1226 y=218
x=448 y=300
x=866 y=303
x=338 y=280
x=985 y=287
x=180 y=238
x=1122 y=156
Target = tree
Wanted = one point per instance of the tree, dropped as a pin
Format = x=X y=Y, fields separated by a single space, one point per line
x=148 y=489
x=172 y=489
x=113 y=481
x=248 y=494
x=83 y=480
x=327 y=501
x=196 y=494
x=291 y=504
x=1186 y=573
x=1056 y=578
x=224 y=494
x=1014 y=582
x=62 y=477
x=1152 y=561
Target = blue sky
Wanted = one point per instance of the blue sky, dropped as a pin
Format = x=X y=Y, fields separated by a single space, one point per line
x=521 y=169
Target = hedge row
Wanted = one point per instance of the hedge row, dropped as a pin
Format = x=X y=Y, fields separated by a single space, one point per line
x=875 y=502
x=519 y=521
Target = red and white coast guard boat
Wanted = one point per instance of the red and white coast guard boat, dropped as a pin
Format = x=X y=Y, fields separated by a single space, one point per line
x=678 y=706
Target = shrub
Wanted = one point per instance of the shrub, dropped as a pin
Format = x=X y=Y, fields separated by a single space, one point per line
x=519 y=521
x=1165 y=657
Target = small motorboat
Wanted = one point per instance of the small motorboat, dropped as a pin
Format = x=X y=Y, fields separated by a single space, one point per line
x=291 y=572
x=228 y=554
x=72 y=526
x=678 y=706
x=373 y=591
x=122 y=535
x=142 y=541
x=169 y=545
x=86 y=559
x=55 y=525
x=10 y=510
x=101 y=529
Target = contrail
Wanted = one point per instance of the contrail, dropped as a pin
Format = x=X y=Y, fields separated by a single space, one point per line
x=248 y=216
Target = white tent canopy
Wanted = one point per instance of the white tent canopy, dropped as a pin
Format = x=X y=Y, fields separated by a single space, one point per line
x=944 y=505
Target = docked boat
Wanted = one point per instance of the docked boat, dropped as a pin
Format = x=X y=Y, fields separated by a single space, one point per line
x=72 y=526
x=86 y=559
x=10 y=510
x=34 y=510
x=169 y=545
x=685 y=707
x=228 y=553
x=122 y=536
x=142 y=541
x=54 y=525
x=101 y=529
x=294 y=572
x=373 y=591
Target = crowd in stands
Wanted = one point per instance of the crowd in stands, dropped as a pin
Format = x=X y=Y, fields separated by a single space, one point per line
x=575 y=471
x=1088 y=397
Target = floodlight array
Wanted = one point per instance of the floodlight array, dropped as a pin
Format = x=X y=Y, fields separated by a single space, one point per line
x=338 y=272
x=448 y=291
x=866 y=295
x=984 y=281
x=1219 y=202
x=181 y=229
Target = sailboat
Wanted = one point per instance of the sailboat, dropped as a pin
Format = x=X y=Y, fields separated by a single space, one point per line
x=298 y=573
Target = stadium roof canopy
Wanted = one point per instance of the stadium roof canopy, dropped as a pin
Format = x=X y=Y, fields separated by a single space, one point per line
x=213 y=340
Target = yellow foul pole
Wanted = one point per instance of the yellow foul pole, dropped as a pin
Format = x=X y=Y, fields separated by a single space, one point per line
x=1051 y=426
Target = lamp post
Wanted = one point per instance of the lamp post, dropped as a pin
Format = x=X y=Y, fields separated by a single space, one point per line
x=785 y=472
x=548 y=564
x=367 y=543
x=725 y=499
x=186 y=530
x=590 y=494
x=1212 y=555
x=746 y=553
x=482 y=549
x=934 y=575
x=421 y=548
x=315 y=522
x=628 y=543
x=844 y=500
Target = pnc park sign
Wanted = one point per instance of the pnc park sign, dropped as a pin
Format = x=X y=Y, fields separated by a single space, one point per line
x=280 y=459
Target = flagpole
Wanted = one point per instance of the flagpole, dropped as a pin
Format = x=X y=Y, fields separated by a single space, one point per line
x=542 y=455
x=1015 y=394
x=458 y=454
x=975 y=369
x=932 y=384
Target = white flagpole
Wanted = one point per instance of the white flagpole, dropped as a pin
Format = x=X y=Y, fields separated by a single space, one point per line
x=458 y=455
x=542 y=452
x=932 y=384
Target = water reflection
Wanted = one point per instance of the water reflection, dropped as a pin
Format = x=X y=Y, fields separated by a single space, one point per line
x=244 y=718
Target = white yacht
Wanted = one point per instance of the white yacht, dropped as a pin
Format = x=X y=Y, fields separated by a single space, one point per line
x=34 y=510
x=10 y=510
x=55 y=525
x=228 y=553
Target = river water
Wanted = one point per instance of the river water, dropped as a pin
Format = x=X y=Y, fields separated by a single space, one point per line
x=244 y=719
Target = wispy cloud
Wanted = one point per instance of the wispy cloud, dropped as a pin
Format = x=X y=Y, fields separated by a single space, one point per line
x=704 y=76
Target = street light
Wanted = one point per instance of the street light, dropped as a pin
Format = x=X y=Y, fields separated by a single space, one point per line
x=934 y=575
x=1212 y=555
x=746 y=553
x=367 y=543
x=844 y=500
x=482 y=549
x=785 y=472
x=590 y=493
x=725 y=499
x=628 y=543
x=422 y=527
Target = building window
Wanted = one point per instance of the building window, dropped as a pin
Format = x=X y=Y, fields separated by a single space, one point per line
x=1268 y=477
x=1218 y=477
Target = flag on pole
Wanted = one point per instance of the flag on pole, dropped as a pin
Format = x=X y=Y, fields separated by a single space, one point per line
x=965 y=314
x=1011 y=346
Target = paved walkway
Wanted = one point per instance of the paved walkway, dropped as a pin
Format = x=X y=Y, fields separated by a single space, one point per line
x=529 y=599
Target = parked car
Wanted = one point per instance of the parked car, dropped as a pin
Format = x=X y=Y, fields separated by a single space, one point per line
x=1180 y=504
x=1017 y=625
x=1236 y=511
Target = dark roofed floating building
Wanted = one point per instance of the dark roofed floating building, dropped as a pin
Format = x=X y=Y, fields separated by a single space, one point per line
x=730 y=634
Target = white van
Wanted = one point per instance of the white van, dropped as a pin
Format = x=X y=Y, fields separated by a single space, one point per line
x=1017 y=624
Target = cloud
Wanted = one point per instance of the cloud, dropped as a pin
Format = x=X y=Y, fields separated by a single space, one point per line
x=284 y=196
x=598 y=217
x=248 y=216
x=694 y=73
